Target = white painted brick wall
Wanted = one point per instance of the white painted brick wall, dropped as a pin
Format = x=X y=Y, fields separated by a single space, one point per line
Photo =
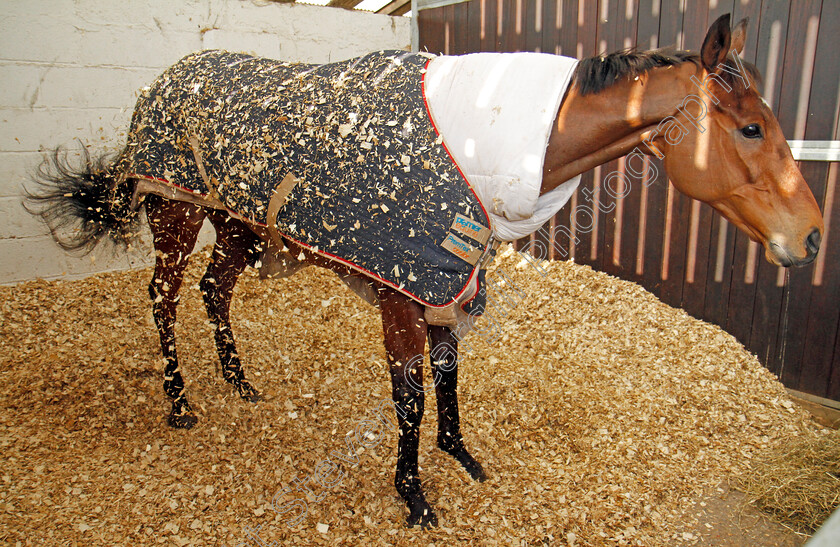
x=71 y=69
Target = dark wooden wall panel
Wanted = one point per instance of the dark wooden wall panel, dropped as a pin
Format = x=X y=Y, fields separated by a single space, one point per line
x=820 y=320
x=797 y=65
x=682 y=251
x=761 y=298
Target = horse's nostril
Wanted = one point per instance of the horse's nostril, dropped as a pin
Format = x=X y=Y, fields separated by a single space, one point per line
x=812 y=242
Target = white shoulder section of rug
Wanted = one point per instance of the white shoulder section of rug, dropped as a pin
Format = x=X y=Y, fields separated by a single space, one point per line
x=495 y=113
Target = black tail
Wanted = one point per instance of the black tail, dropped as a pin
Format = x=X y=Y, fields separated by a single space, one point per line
x=82 y=205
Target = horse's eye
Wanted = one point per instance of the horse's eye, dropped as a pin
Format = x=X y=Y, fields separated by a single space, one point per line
x=752 y=131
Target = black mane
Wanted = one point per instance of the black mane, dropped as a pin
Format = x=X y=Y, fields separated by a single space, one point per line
x=595 y=74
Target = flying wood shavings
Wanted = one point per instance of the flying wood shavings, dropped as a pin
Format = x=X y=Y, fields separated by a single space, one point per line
x=599 y=413
x=273 y=127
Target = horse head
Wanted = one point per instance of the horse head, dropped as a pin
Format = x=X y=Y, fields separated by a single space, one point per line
x=725 y=147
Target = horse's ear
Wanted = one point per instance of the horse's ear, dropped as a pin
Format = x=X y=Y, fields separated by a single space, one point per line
x=716 y=44
x=739 y=36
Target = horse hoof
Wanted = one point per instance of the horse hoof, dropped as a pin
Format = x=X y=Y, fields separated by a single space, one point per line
x=472 y=466
x=248 y=392
x=182 y=421
x=424 y=518
x=469 y=463
x=477 y=473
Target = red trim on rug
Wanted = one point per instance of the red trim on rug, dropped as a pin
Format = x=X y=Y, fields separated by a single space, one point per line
x=463 y=176
x=318 y=252
x=445 y=147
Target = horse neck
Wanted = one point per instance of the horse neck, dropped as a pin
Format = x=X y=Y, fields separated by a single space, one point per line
x=593 y=129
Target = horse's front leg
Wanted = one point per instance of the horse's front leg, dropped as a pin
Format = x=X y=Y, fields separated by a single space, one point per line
x=405 y=339
x=443 y=354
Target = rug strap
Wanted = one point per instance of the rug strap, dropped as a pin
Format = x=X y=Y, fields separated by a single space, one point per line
x=199 y=162
x=277 y=201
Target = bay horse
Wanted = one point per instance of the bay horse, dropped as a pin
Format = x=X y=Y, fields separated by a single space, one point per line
x=701 y=112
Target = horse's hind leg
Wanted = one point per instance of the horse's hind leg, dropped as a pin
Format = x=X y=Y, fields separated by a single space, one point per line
x=175 y=226
x=443 y=354
x=236 y=247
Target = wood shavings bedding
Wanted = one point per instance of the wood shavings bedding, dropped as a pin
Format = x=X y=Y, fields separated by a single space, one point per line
x=599 y=414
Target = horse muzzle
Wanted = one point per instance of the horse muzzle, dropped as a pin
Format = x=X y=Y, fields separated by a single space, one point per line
x=778 y=254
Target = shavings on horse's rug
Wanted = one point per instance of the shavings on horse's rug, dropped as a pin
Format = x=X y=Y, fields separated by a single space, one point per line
x=398 y=165
x=342 y=158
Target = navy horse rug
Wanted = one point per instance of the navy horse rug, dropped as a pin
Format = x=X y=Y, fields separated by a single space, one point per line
x=353 y=160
